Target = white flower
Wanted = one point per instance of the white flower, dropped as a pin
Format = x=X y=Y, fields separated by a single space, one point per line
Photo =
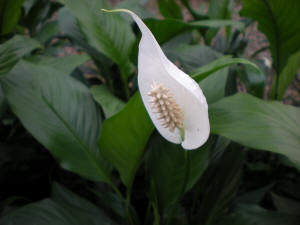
x=174 y=101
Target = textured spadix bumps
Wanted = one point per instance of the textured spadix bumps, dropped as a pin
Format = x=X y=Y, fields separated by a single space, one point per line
x=174 y=101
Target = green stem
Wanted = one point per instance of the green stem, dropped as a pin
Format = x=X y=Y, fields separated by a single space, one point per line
x=126 y=202
x=182 y=191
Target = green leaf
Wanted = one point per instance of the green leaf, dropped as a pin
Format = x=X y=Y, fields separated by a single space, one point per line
x=169 y=9
x=288 y=73
x=255 y=215
x=60 y=113
x=277 y=20
x=220 y=184
x=109 y=103
x=109 y=33
x=10 y=12
x=218 y=64
x=124 y=137
x=13 y=50
x=218 y=23
x=167 y=167
x=258 y=124
x=64 y=208
x=213 y=86
x=65 y=64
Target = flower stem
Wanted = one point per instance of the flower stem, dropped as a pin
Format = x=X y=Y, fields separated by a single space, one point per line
x=183 y=188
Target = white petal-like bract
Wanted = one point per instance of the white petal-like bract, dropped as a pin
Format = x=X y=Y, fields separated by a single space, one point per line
x=180 y=117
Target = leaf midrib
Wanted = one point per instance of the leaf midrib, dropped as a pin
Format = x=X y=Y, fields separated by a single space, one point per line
x=83 y=146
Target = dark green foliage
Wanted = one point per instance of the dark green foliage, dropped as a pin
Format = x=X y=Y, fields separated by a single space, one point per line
x=71 y=113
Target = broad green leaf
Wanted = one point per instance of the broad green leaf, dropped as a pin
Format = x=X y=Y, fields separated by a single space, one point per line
x=64 y=208
x=65 y=64
x=258 y=124
x=10 y=12
x=60 y=113
x=124 y=137
x=213 y=86
x=277 y=20
x=109 y=33
x=169 y=9
x=218 y=64
x=288 y=73
x=255 y=215
x=14 y=49
x=168 y=167
x=109 y=103
x=219 y=185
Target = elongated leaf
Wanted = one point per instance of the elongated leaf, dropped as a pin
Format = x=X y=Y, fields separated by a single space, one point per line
x=64 y=208
x=220 y=185
x=65 y=64
x=169 y=9
x=213 y=86
x=167 y=167
x=276 y=20
x=124 y=137
x=10 y=12
x=218 y=24
x=255 y=215
x=108 y=33
x=258 y=124
x=288 y=73
x=218 y=64
x=14 y=49
x=109 y=103
x=60 y=113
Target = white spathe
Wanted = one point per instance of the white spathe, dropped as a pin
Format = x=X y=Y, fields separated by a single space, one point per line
x=154 y=66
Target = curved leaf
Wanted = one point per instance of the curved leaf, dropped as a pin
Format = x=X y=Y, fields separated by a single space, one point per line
x=218 y=64
x=288 y=73
x=258 y=124
x=109 y=103
x=64 y=208
x=124 y=137
x=110 y=34
x=65 y=64
x=60 y=113
x=14 y=49
x=278 y=21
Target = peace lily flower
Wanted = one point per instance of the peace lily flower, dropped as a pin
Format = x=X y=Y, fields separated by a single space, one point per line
x=174 y=101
